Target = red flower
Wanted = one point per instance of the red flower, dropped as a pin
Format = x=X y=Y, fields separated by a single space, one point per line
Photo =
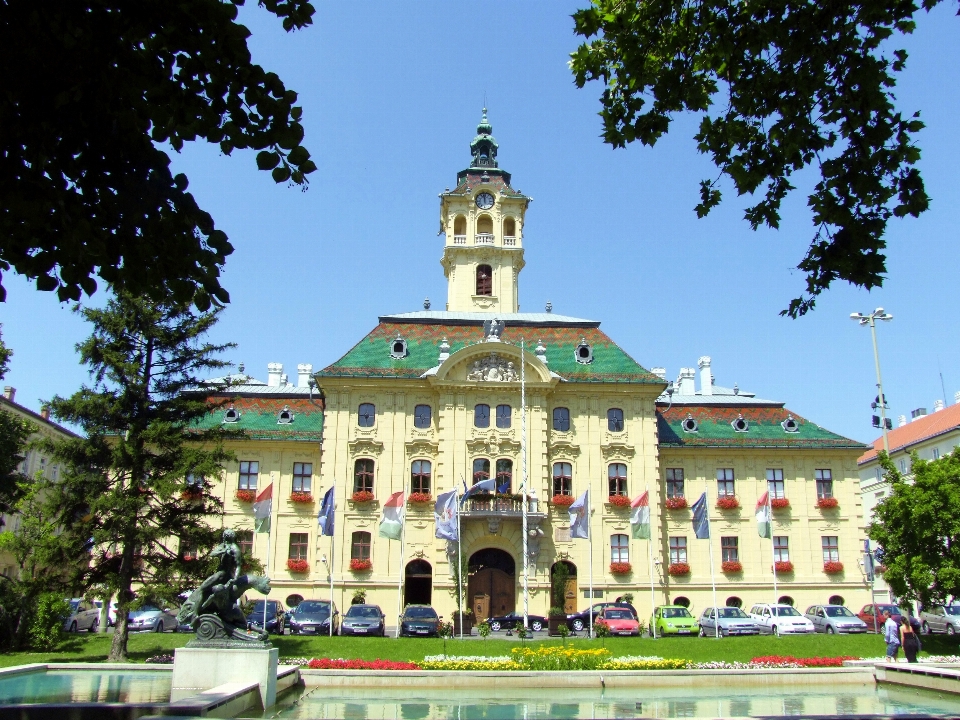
x=779 y=503
x=676 y=503
x=732 y=566
x=301 y=497
x=728 y=503
x=328 y=664
x=619 y=501
x=827 y=503
x=803 y=662
x=246 y=495
x=563 y=500
x=680 y=568
x=298 y=566
x=358 y=565
x=784 y=566
x=362 y=496
x=420 y=497
x=832 y=567
x=620 y=568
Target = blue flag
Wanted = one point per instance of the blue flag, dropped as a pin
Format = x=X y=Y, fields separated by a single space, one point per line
x=445 y=515
x=580 y=517
x=487 y=485
x=505 y=487
x=326 y=515
x=701 y=519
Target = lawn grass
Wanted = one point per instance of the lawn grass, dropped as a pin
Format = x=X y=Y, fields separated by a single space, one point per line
x=95 y=648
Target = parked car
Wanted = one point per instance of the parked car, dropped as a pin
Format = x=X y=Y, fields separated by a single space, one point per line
x=874 y=618
x=940 y=618
x=84 y=615
x=620 y=621
x=111 y=611
x=512 y=619
x=364 y=620
x=672 y=620
x=275 y=616
x=832 y=619
x=732 y=621
x=780 y=619
x=578 y=621
x=151 y=617
x=419 y=621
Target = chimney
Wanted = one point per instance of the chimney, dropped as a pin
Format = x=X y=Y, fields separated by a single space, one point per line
x=956 y=398
x=918 y=413
x=937 y=405
x=304 y=371
x=274 y=374
x=901 y=420
x=686 y=382
x=660 y=373
x=9 y=392
x=706 y=379
x=45 y=412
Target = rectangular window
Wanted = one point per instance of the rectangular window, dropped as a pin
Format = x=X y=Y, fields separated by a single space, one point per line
x=619 y=548
x=674 y=482
x=504 y=416
x=302 y=475
x=245 y=542
x=678 y=550
x=617 y=474
x=879 y=472
x=775 y=483
x=729 y=549
x=561 y=419
x=725 y=487
x=903 y=465
x=562 y=478
x=831 y=548
x=298 y=546
x=421 y=417
x=249 y=470
x=481 y=416
x=824 y=483
x=360 y=546
x=781 y=548
x=420 y=476
x=936 y=453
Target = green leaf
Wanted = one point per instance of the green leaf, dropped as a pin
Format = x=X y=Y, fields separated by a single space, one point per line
x=281 y=174
x=267 y=160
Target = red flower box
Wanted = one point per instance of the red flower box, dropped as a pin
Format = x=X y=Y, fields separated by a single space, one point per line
x=362 y=496
x=676 y=503
x=832 y=567
x=727 y=503
x=339 y=664
x=779 y=503
x=620 y=568
x=732 y=566
x=420 y=498
x=563 y=500
x=827 y=503
x=620 y=501
x=246 y=495
x=301 y=497
x=676 y=569
x=784 y=566
x=298 y=566
x=357 y=565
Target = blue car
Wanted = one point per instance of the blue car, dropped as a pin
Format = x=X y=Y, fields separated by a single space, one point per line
x=276 y=617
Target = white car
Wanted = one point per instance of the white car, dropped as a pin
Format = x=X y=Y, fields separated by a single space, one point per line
x=111 y=611
x=780 y=620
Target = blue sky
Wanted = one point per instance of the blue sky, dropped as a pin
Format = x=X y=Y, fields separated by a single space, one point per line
x=392 y=93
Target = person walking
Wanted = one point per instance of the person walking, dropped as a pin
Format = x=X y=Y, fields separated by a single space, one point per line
x=909 y=640
x=891 y=635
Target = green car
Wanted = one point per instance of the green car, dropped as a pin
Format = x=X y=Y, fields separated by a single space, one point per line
x=673 y=620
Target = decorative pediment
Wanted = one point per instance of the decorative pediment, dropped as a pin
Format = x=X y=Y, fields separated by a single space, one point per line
x=493 y=368
x=508 y=446
x=492 y=361
x=365 y=446
x=563 y=449
x=483 y=445
x=617 y=451
x=422 y=446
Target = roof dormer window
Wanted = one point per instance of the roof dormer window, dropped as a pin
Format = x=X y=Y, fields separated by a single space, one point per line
x=584 y=353
x=231 y=415
x=740 y=425
x=285 y=417
x=398 y=348
x=790 y=425
x=689 y=424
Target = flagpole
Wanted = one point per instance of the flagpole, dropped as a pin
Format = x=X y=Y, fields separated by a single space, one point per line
x=523 y=460
x=456 y=498
x=333 y=509
x=590 y=562
x=403 y=540
x=773 y=549
x=713 y=582
x=653 y=595
x=269 y=553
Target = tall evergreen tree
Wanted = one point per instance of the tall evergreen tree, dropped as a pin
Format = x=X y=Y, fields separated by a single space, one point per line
x=126 y=482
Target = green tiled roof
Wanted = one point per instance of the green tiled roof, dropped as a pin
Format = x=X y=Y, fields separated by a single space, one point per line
x=371 y=356
x=715 y=429
x=258 y=418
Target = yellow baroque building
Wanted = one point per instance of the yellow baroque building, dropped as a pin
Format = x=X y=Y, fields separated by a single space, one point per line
x=431 y=400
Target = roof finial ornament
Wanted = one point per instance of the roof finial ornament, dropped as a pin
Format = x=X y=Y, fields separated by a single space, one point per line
x=549 y=307
x=426 y=303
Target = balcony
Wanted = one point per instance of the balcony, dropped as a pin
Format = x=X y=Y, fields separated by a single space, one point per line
x=509 y=241
x=459 y=239
x=495 y=509
x=484 y=238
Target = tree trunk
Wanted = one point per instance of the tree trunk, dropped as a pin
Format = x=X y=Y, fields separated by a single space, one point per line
x=118 y=646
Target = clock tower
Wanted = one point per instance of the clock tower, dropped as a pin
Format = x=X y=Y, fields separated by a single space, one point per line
x=482 y=221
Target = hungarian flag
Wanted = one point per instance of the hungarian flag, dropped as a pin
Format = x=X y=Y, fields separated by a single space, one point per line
x=391 y=524
x=263 y=510
x=640 y=517
x=763 y=516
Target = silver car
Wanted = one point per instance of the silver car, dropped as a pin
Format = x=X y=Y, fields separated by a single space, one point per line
x=833 y=619
x=150 y=617
x=83 y=616
x=732 y=621
x=941 y=618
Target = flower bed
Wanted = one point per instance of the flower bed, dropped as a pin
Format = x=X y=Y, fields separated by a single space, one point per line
x=832 y=567
x=301 y=497
x=419 y=498
x=827 y=503
x=790 y=661
x=727 y=503
x=783 y=566
x=779 y=503
x=362 y=496
x=732 y=566
x=246 y=495
x=620 y=568
x=298 y=566
x=340 y=664
x=677 y=569
x=620 y=501
x=563 y=500
x=357 y=565
x=676 y=503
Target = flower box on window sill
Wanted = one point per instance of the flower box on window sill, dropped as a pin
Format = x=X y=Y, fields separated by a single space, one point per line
x=827 y=503
x=563 y=500
x=191 y=493
x=676 y=503
x=833 y=567
x=304 y=498
x=727 y=503
x=246 y=495
x=732 y=566
x=619 y=501
x=298 y=566
x=357 y=565
x=678 y=569
x=362 y=496
x=620 y=568
x=783 y=566
x=419 y=498
x=779 y=503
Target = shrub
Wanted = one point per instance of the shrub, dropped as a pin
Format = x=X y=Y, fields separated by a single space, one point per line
x=301 y=497
x=358 y=565
x=419 y=497
x=727 y=503
x=779 y=503
x=784 y=566
x=46 y=628
x=620 y=501
x=563 y=500
x=832 y=567
x=732 y=566
x=676 y=503
x=483 y=629
x=359 y=596
x=680 y=568
x=246 y=495
x=558 y=585
x=298 y=566
x=620 y=568
x=827 y=503
x=362 y=496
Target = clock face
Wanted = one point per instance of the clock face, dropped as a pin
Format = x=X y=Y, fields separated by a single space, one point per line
x=484 y=201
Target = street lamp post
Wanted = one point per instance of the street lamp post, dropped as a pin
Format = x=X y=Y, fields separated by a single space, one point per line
x=870 y=320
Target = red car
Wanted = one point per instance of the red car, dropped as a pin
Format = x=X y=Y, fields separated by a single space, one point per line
x=620 y=621
x=874 y=619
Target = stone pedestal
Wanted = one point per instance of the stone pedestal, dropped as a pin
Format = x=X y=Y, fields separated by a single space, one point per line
x=197 y=669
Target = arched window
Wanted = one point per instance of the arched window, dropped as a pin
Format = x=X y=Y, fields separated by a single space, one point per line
x=481 y=416
x=504 y=476
x=562 y=478
x=294 y=600
x=460 y=225
x=360 y=546
x=615 y=420
x=682 y=602
x=617 y=474
x=504 y=417
x=420 y=476
x=366 y=414
x=836 y=600
x=785 y=600
x=484 y=224
x=619 y=549
x=363 y=475
x=481 y=470
x=421 y=416
x=509 y=227
x=561 y=419
x=734 y=601
x=484 y=280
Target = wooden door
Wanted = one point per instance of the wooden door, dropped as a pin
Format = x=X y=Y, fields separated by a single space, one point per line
x=570 y=596
x=499 y=587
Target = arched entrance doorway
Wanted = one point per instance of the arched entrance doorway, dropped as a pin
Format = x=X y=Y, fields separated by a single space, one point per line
x=492 y=587
x=570 y=591
x=418 y=583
